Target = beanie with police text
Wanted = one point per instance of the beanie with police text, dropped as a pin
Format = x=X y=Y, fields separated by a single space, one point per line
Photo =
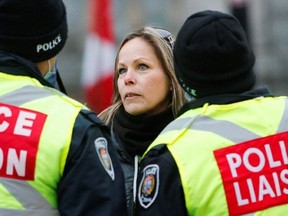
x=212 y=55
x=33 y=29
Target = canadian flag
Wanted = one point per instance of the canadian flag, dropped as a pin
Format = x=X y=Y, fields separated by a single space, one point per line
x=99 y=56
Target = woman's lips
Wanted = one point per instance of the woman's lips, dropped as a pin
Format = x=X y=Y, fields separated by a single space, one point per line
x=130 y=95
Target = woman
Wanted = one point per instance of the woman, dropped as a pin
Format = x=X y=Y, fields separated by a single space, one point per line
x=147 y=97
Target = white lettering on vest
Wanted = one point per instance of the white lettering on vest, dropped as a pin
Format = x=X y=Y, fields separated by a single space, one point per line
x=49 y=45
x=235 y=160
x=24 y=121
x=265 y=187
x=7 y=113
x=20 y=133
x=283 y=152
x=255 y=173
x=13 y=162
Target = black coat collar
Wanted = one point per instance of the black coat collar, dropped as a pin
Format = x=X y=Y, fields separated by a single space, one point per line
x=16 y=65
x=225 y=99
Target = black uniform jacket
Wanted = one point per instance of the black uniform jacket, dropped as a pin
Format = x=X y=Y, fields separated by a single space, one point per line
x=170 y=187
x=85 y=189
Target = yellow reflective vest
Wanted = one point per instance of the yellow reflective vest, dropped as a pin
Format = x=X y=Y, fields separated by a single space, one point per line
x=232 y=159
x=36 y=124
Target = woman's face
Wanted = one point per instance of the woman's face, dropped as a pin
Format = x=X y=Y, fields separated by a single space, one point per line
x=142 y=83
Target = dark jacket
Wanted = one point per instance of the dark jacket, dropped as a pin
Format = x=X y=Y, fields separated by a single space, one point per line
x=130 y=170
x=170 y=186
x=133 y=135
x=85 y=187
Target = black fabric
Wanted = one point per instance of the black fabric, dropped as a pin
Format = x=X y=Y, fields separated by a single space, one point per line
x=85 y=187
x=262 y=91
x=128 y=167
x=170 y=198
x=170 y=186
x=33 y=29
x=138 y=132
x=213 y=56
x=19 y=66
x=94 y=194
x=15 y=65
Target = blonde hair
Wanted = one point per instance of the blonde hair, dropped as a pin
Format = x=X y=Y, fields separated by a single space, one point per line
x=163 y=50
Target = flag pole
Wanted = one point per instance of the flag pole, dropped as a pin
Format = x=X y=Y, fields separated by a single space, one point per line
x=99 y=56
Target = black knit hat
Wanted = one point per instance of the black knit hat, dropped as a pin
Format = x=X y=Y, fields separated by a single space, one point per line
x=213 y=56
x=33 y=29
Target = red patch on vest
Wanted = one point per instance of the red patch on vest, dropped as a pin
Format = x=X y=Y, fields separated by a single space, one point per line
x=255 y=173
x=20 y=131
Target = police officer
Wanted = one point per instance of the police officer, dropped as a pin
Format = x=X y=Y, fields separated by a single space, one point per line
x=226 y=154
x=55 y=154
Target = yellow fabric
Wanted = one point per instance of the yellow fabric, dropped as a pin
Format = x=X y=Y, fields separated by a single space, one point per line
x=55 y=139
x=10 y=201
x=192 y=150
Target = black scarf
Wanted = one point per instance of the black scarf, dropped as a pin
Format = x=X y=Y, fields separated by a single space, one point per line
x=137 y=132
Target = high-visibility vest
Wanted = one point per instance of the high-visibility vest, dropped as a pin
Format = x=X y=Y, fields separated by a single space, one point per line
x=36 y=125
x=232 y=159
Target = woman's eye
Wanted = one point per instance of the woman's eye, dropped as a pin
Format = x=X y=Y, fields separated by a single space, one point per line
x=143 y=67
x=121 y=70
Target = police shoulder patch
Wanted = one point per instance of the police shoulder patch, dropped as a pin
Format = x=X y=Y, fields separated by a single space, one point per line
x=149 y=185
x=104 y=157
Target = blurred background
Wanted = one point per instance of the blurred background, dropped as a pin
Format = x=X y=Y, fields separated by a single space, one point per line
x=264 y=20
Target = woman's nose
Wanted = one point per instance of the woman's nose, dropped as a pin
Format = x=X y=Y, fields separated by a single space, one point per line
x=129 y=78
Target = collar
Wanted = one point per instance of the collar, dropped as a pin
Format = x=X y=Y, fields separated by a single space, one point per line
x=16 y=65
x=226 y=99
x=136 y=133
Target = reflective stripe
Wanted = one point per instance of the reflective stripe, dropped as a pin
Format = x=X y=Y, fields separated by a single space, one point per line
x=28 y=197
x=179 y=124
x=31 y=93
x=191 y=158
x=283 y=126
x=36 y=212
x=223 y=128
x=226 y=129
